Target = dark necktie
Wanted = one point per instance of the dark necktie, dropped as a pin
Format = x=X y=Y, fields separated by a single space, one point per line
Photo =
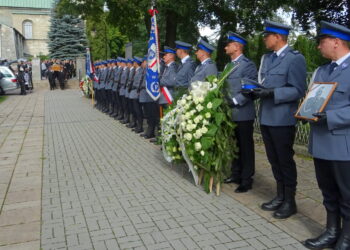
x=274 y=57
x=332 y=67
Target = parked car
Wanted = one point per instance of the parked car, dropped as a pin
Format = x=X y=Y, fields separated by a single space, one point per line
x=9 y=81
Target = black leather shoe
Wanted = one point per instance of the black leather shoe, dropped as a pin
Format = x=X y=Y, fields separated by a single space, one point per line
x=232 y=180
x=343 y=242
x=149 y=136
x=153 y=140
x=288 y=207
x=329 y=237
x=272 y=205
x=243 y=188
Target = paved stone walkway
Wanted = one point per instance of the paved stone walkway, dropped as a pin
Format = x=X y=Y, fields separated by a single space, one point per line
x=21 y=143
x=72 y=178
x=105 y=187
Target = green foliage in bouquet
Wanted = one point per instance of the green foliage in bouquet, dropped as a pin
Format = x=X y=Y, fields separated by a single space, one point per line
x=204 y=128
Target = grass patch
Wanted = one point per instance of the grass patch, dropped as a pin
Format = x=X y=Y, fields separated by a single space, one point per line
x=2 y=98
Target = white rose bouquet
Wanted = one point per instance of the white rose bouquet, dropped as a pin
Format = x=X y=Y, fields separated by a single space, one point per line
x=202 y=126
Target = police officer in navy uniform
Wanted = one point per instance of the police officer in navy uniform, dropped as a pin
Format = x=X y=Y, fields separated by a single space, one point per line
x=121 y=88
x=150 y=106
x=134 y=95
x=117 y=74
x=207 y=67
x=243 y=112
x=108 y=88
x=185 y=70
x=283 y=75
x=103 y=79
x=330 y=139
x=123 y=83
x=132 y=115
x=168 y=78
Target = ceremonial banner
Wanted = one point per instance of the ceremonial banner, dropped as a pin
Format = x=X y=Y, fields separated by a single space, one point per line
x=152 y=75
x=90 y=70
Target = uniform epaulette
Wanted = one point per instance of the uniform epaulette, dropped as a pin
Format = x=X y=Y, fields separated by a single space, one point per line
x=295 y=52
x=245 y=59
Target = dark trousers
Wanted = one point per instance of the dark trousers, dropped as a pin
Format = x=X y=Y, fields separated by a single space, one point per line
x=103 y=98
x=118 y=102
x=137 y=111
x=125 y=106
x=279 y=149
x=243 y=167
x=109 y=98
x=131 y=108
x=333 y=178
x=152 y=113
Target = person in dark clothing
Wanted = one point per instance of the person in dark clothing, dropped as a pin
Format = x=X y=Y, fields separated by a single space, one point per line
x=21 y=80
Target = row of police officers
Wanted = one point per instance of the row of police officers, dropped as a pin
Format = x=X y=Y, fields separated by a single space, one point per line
x=281 y=84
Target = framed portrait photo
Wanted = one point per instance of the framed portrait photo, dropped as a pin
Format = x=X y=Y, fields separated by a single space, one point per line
x=315 y=100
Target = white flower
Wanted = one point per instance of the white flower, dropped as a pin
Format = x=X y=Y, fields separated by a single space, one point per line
x=188 y=136
x=187 y=106
x=207 y=115
x=182 y=102
x=202 y=153
x=183 y=124
x=195 y=167
x=187 y=115
x=199 y=108
x=205 y=122
x=174 y=149
x=189 y=97
x=193 y=112
x=198 y=134
x=209 y=105
x=204 y=130
x=200 y=99
x=189 y=127
x=196 y=120
x=198 y=146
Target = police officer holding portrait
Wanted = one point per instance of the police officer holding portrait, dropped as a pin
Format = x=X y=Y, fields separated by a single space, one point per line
x=330 y=139
x=243 y=112
x=206 y=67
x=283 y=76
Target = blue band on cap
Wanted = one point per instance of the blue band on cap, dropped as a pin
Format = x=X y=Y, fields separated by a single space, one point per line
x=202 y=47
x=334 y=33
x=182 y=47
x=137 y=61
x=249 y=86
x=237 y=39
x=169 y=51
x=277 y=30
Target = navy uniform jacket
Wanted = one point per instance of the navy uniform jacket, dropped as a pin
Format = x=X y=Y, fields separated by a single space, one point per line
x=130 y=81
x=287 y=76
x=245 y=109
x=168 y=80
x=109 y=80
x=103 y=78
x=331 y=140
x=204 y=70
x=138 y=78
x=116 y=76
x=96 y=83
x=123 y=81
x=144 y=96
x=185 y=72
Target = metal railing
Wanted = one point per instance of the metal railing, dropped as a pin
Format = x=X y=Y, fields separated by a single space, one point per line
x=303 y=130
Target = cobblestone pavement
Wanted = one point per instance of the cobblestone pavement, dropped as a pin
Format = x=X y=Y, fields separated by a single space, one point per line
x=105 y=187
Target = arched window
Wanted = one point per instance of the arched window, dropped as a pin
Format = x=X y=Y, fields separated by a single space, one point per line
x=28 y=29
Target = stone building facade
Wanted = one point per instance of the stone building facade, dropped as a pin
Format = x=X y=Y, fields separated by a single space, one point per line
x=24 y=26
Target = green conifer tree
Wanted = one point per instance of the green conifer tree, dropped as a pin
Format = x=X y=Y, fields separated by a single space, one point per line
x=67 y=38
